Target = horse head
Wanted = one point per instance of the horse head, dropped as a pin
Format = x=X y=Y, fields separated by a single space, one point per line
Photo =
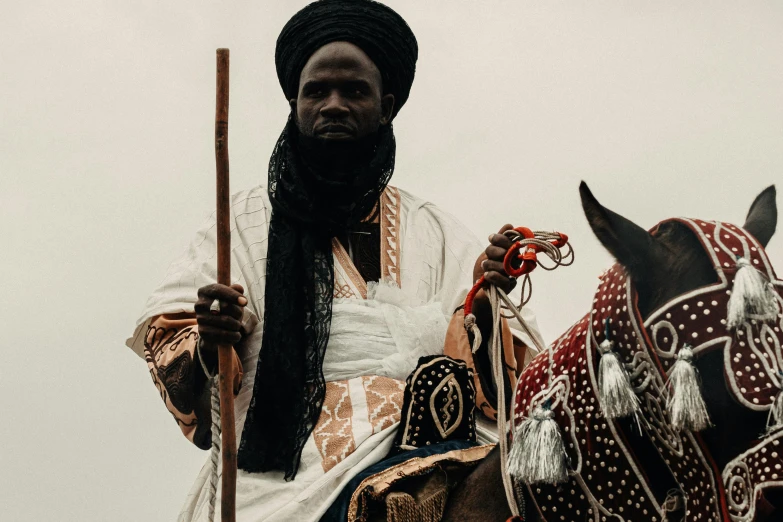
x=666 y=269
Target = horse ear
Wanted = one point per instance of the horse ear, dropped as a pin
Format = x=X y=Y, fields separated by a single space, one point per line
x=763 y=216
x=629 y=243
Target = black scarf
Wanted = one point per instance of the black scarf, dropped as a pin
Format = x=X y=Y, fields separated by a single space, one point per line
x=318 y=190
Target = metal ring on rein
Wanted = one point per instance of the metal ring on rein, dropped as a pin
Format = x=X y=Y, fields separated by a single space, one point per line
x=545 y=243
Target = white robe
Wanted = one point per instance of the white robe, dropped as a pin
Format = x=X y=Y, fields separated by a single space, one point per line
x=376 y=338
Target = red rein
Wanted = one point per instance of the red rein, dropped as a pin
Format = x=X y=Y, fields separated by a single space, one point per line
x=516 y=264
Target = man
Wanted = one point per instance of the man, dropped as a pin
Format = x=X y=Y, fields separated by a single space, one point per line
x=341 y=282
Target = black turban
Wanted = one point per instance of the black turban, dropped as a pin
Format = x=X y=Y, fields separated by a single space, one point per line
x=373 y=27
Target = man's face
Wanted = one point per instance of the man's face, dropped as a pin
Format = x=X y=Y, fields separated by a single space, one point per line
x=341 y=94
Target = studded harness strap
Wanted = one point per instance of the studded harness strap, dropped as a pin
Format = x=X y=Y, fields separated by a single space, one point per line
x=606 y=480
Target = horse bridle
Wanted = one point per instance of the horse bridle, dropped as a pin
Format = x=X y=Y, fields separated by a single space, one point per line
x=604 y=477
x=752 y=355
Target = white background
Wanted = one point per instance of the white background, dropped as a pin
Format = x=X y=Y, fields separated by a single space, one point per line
x=107 y=169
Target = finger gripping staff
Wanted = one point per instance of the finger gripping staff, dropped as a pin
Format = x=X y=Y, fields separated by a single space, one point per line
x=538 y=452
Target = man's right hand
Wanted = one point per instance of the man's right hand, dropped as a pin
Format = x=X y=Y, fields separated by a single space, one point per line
x=223 y=327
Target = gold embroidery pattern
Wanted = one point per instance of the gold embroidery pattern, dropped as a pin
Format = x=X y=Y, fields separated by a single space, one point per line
x=384 y=401
x=344 y=260
x=348 y=282
x=333 y=433
x=390 y=241
x=453 y=397
x=343 y=290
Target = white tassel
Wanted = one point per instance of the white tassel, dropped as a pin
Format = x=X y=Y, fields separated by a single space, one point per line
x=686 y=405
x=750 y=296
x=615 y=392
x=538 y=452
x=472 y=327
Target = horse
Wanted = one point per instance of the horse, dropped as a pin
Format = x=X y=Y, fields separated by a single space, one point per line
x=664 y=266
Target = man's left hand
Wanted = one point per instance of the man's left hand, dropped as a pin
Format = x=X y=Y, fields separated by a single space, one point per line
x=490 y=263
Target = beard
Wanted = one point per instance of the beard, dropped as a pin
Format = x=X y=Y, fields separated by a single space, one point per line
x=337 y=160
x=339 y=175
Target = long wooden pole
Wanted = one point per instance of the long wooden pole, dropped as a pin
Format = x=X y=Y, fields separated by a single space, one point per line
x=225 y=356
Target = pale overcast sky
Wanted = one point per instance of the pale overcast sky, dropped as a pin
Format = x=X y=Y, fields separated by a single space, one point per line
x=106 y=149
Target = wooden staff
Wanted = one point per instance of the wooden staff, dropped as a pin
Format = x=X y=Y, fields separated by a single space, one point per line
x=225 y=355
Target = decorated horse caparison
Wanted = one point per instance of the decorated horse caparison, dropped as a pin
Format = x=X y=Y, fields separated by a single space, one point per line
x=664 y=402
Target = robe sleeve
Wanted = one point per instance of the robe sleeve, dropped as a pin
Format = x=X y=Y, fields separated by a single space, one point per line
x=176 y=371
x=197 y=267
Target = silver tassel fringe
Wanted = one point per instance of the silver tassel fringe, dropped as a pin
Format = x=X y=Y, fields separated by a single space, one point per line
x=685 y=405
x=538 y=452
x=750 y=296
x=615 y=392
